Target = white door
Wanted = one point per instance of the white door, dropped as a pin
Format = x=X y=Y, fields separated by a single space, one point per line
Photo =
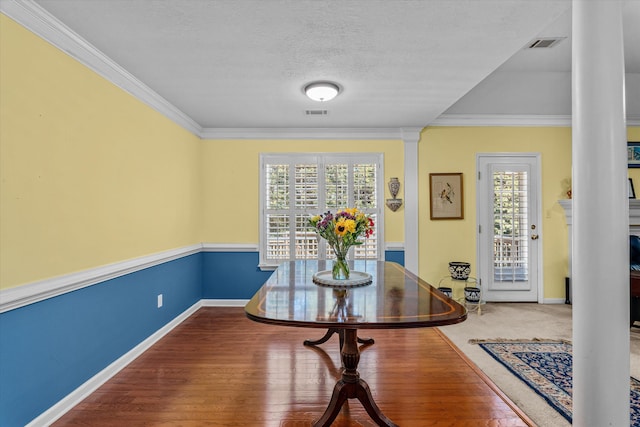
x=509 y=234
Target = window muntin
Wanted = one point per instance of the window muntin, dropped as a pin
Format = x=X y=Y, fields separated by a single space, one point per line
x=295 y=186
x=511 y=239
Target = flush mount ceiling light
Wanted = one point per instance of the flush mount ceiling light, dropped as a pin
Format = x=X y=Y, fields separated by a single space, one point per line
x=321 y=91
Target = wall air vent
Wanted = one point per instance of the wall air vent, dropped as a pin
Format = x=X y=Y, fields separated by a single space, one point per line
x=544 y=42
x=316 y=113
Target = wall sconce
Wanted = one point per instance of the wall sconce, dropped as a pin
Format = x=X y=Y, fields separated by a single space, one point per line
x=393 y=203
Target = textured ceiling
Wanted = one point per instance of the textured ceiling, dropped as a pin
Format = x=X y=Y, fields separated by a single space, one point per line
x=243 y=63
x=539 y=81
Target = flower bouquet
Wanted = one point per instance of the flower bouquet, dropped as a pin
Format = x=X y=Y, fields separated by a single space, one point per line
x=342 y=231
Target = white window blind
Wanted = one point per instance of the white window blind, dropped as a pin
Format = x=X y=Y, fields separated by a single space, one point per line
x=510 y=242
x=297 y=186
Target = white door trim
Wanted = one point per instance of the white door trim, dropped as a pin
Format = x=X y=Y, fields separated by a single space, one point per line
x=536 y=220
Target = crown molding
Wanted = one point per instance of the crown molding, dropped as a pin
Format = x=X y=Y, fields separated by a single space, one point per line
x=301 y=133
x=37 y=20
x=521 y=120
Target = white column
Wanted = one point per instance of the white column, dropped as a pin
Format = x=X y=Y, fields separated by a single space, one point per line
x=411 y=136
x=600 y=268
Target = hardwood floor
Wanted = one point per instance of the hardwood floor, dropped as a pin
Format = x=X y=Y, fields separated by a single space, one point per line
x=218 y=368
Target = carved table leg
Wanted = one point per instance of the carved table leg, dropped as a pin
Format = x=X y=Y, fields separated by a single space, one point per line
x=366 y=341
x=330 y=332
x=350 y=386
x=324 y=339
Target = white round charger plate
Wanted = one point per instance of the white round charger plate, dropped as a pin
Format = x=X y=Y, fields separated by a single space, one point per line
x=356 y=278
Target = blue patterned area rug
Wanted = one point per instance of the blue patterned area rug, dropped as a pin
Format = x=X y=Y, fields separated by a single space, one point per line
x=546 y=367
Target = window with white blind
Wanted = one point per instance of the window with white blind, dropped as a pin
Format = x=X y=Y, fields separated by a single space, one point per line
x=510 y=226
x=294 y=187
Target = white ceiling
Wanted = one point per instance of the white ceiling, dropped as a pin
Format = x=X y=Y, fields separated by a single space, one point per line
x=539 y=81
x=403 y=63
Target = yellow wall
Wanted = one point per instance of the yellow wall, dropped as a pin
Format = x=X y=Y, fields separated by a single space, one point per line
x=232 y=178
x=89 y=174
x=454 y=149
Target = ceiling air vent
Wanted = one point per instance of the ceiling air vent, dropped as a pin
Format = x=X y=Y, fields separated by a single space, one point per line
x=316 y=113
x=544 y=42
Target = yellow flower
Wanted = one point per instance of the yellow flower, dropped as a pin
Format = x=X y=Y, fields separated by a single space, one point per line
x=350 y=225
x=344 y=226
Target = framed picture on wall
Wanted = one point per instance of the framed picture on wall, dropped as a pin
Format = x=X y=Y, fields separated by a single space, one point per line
x=446 y=195
x=633 y=154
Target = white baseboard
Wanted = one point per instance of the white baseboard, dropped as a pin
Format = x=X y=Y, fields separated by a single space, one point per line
x=224 y=302
x=72 y=399
x=553 y=301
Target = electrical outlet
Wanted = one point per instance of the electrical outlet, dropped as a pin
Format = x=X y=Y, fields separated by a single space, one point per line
x=159 y=300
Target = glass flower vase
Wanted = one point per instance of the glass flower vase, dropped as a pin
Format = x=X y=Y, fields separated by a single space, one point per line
x=340 y=269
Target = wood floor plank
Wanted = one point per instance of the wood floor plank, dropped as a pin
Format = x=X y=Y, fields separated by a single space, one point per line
x=218 y=368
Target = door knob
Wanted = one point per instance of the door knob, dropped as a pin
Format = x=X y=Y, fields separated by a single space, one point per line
x=534 y=237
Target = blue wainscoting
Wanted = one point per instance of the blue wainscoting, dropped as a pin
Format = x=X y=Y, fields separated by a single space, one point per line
x=232 y=275
x=235 y=275
x=50 y=348
x=395 y=256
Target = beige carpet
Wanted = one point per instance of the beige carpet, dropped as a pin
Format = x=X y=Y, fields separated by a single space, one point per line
x=522 y=321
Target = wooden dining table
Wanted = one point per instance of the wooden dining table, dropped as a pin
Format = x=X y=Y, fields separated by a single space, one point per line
x=392 y=298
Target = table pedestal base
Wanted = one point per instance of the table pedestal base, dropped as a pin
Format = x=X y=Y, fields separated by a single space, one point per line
x=340 y=332
x=350 y=386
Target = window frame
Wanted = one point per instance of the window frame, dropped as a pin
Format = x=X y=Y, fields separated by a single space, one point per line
x=320 y=159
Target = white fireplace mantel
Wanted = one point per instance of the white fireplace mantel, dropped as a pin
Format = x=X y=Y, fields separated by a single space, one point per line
x=634 y=220
x=634 y=214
